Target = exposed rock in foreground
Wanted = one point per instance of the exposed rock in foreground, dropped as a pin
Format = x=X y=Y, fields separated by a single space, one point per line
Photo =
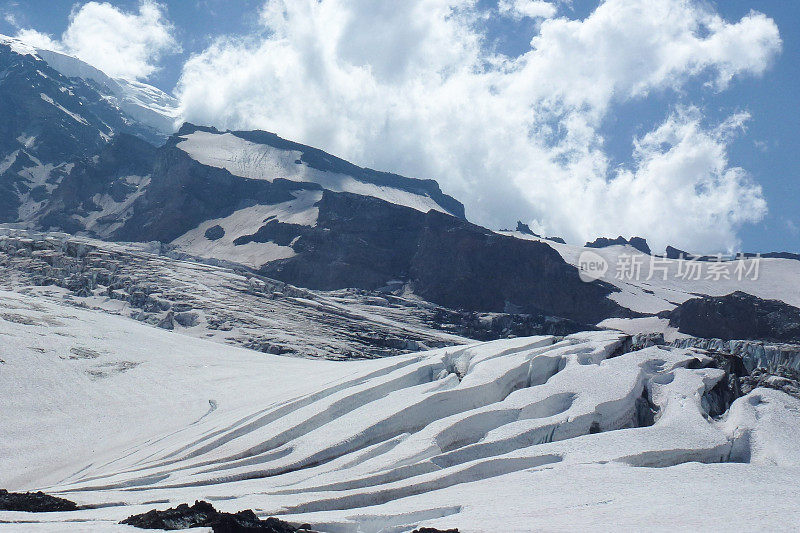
x=737 y=316
x=203 y=514
x=34 y=502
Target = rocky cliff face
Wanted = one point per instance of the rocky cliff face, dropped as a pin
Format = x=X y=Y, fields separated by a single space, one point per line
x=47 y=123
x=738 y=316
x=366 y=242
x=182 y=193
x=461 y=265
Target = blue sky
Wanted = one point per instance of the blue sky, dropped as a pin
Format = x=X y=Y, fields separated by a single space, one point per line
x=767 y=150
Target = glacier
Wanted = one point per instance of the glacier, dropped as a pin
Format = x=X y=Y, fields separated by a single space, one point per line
x=538 y=433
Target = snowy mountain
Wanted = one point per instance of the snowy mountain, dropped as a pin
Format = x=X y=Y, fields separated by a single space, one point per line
x=141 y=102
x=655 y=286
x=47 y=123
x=299 y=215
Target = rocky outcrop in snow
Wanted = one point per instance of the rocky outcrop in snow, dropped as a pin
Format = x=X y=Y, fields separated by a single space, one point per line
x=635 y=242
x=203 y=514
x=738 y=316
x=34 y=502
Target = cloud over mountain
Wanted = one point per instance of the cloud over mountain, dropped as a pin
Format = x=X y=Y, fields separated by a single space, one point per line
x=421 y=92
x=122 y=44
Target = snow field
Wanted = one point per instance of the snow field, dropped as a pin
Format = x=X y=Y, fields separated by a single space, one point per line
x=534 y=433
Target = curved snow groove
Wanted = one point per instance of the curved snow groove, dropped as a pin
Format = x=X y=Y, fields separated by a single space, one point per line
x=247 y=426
x=409 y=401
x=444 y=418
x=474 y=472
x=271 y=415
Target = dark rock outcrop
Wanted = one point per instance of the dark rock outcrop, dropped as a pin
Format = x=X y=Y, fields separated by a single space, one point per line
x=635 y=242
x=34 y=502
x=203 y=514
x=214 y=233
x=273 y=231
x=434 y=530
x=463 y=266
x=183 y=193
x=526 y=229
x=738 y=316
x=364 y=242
x=676 y=253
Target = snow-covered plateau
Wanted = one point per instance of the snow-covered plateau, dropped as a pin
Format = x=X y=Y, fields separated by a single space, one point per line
x=539 y=433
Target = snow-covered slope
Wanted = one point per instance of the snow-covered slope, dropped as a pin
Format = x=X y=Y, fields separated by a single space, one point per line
x=661 y=284
x=525 y=434
x=302 y=211
x=142 y=102
x=51 y=122
x=263 y=156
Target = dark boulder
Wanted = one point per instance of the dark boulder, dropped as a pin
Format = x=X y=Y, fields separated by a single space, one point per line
x=737 y=316
x=203 y=514
x=34 y=502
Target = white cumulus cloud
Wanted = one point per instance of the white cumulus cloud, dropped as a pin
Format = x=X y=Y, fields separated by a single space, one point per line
x=527 y=8
x=122 y=44
x=39 y=40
